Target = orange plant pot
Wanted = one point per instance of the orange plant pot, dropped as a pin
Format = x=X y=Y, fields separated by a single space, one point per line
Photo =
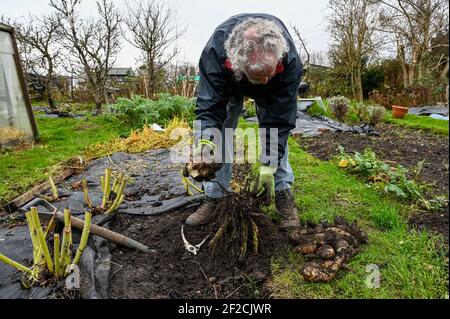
x=399 y=112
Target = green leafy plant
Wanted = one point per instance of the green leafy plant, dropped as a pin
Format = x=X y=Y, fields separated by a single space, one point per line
x=386 y=178
x=339 y=106
x=315 y=110
x=138 y=111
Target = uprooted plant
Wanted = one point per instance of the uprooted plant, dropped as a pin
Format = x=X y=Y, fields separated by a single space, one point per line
x=239 y=217
x=50 y=265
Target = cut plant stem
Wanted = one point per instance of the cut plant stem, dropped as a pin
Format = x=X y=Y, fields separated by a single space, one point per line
x=34 y=238
x=64 y=248
x=119 y=197
x=102 y=182
x=87 y=200
x=68 y=225
x=14 y=264
x=66 y=242
x=107 y=188
x=53 y=188
x=84 y=237
x=40 y=234
x=56 y=248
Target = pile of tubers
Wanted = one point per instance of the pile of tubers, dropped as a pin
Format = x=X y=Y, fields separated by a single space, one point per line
x=327 y=247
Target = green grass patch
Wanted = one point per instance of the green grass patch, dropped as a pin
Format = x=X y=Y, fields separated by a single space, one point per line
x=60 y=139
x=410 y=266
x=425 y=123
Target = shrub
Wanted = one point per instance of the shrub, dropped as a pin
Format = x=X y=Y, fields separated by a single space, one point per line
x=376 y=114
x=361 y=111
x=339 y=106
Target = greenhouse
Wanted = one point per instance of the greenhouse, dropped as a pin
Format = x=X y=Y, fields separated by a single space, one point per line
x=16 y=118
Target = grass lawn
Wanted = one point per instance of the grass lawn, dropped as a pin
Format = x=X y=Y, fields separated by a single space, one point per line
x=60 y=139
x=410 y=266
x=421 y=122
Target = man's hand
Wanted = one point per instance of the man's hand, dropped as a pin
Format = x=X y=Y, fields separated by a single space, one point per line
x=265 y=185
x=202 y=166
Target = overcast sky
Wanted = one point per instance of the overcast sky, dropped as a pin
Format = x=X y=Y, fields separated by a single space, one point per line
x=203 y=16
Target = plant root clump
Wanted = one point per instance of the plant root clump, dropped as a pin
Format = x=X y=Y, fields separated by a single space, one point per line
x=240 y=222
x=201 y=171
x=327 y=248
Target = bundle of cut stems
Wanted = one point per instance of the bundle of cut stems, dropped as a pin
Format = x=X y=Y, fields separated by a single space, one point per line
x=112 y=195
x=43 y=261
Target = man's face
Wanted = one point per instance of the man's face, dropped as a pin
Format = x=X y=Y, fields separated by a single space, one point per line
x=261 y=76
x=267 y=65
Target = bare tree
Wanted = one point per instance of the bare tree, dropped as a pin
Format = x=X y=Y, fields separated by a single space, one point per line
x=38 y=41
x=303 y=49
x=94 y=43
x=154 y=30
x=412 y=25
x=352 y=26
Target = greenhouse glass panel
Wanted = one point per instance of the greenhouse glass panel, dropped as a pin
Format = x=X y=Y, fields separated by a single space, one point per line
x=16 y=118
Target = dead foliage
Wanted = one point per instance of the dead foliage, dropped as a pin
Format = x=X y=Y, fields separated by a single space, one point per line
x=141 y=140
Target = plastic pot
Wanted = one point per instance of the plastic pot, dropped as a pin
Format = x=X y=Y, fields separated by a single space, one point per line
x=399 y=112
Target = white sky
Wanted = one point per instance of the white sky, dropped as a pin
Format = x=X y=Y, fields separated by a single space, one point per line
x=203 y=16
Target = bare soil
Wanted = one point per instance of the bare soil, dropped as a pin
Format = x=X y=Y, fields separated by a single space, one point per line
x=400 y=145
x=175 y=273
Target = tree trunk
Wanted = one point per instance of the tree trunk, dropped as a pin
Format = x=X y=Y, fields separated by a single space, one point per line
x=51 y=102
x=405 y=75
x=359 y=89
x=48 y=85
x=405 y=67
x=98 y=103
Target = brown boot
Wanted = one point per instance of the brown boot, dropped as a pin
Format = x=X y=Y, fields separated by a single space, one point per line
x=204 y=214
x=284 y=201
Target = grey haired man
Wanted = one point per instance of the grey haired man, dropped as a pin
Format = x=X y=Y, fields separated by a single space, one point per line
x=250 y=55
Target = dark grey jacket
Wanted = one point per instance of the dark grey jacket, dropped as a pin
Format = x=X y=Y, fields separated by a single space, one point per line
x=276 y=100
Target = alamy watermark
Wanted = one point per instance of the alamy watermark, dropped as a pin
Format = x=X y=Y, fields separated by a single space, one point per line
x=233 y=145
x=373 y=279
x=73 y=277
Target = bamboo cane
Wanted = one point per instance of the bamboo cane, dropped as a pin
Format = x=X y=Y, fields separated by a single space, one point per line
x=14 y=264
x=40 y=234
x=84 y=237
x=107 y=188
x=56 y=254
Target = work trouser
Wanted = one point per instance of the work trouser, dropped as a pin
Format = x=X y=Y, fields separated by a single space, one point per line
x=284 y=176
